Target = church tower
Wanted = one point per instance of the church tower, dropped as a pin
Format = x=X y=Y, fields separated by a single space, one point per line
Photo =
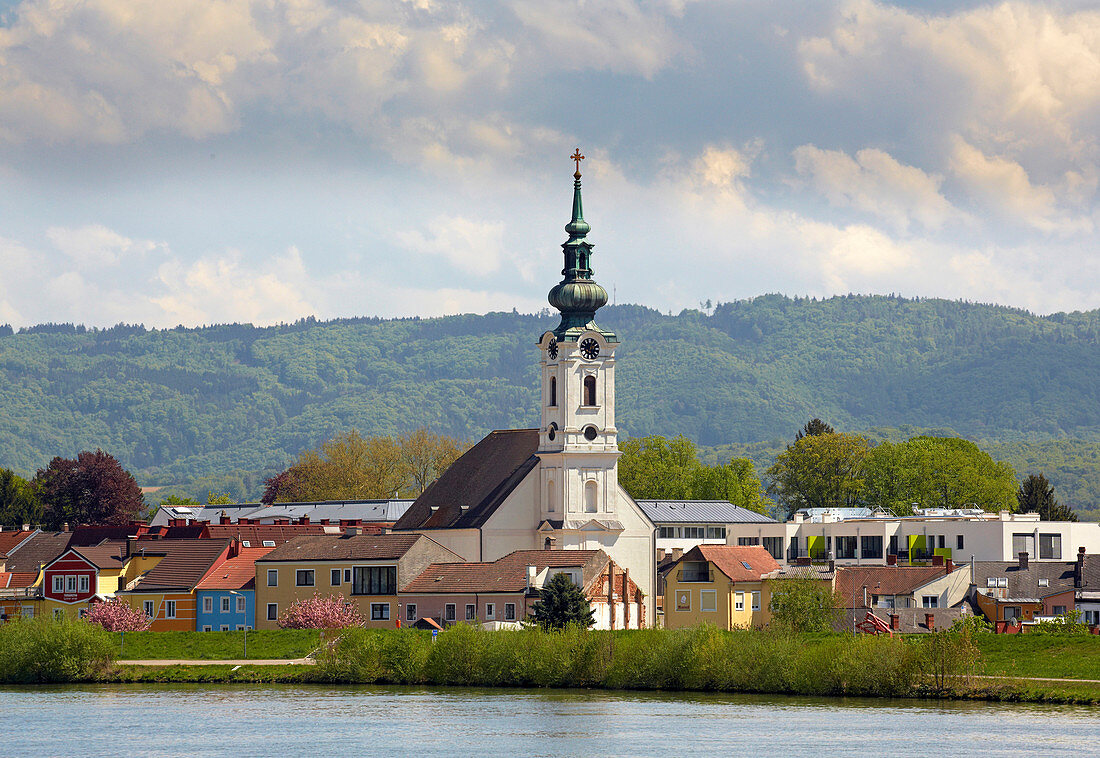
x=577 y=439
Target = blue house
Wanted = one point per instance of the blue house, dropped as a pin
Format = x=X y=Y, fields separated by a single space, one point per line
x=226 y=597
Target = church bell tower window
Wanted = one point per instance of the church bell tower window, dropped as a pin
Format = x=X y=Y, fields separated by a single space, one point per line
x=590 y=390
x=590 y=496
x=553 y=391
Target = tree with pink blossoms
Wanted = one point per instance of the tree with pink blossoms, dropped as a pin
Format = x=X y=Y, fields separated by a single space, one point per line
x=116 y=616
x=320 y=612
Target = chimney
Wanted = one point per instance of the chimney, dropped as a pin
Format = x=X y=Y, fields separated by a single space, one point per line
x=895 y=622
x=304 y=520
x=802 y=560
x=65 y=526
x=324 y=522
x=354 y=531
x=950 y=564
x=223 y=520
x=531 y=572
x=1023 y=560
x=1078 y=568
x=677 y=553
x=930 y=621
x=891 y=560
x=937 y=560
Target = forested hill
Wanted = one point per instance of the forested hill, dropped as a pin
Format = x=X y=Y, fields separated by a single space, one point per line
x=182 y=403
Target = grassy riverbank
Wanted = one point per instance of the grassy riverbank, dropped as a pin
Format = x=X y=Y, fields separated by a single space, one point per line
x=704 y=659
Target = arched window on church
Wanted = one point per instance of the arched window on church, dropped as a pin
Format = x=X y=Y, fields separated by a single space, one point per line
x=553 y=391
x=590 y=390
x=590 y=495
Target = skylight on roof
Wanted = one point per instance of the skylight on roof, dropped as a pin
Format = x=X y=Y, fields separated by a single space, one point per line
x=269 y=543
x=746 y=565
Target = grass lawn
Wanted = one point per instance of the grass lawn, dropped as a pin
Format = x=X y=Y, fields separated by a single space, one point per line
x=1040 y=655
x=264 y=643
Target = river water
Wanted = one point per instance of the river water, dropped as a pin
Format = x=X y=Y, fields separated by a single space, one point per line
x=290 y=721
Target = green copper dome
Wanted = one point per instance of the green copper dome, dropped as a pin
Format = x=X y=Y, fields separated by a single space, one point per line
x=577 y=296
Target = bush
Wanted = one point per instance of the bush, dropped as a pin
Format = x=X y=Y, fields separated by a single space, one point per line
x=53 y=650
x=1065 y=624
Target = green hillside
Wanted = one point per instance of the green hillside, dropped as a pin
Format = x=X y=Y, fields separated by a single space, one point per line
x=183 y=403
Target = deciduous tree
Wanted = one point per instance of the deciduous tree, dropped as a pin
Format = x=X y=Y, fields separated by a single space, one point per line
x=115 y=615
x=19 y=503
x=561 y=603
x=820 y=471
x=803 y=605
x=320 y=612
x=93 y=488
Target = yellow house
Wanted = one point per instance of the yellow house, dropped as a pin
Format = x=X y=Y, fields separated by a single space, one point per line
x=165 y=592
x=723 y=585
x=367 y=571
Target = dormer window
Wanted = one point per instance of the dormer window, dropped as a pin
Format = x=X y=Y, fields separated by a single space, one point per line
x=590 y=390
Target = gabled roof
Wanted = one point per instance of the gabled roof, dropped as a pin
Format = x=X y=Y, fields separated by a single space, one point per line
x=731 y=560
x=884 y=580
x=108 y=554
x=506 y=574
x=700 y=512
x=237 y=573
x=475 y=485
x=17 y=579
x=255 y=534
x=1023 y=584
x=184 y=565
x=41 y=548
x=10 y=540
x=344 y=547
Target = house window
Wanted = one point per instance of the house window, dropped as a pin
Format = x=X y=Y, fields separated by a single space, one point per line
x=930 y=601
x=553 y=392
x=695 y=571
x=246 y=543
x=893 y=544
x=1012 y=612
x=509 y=611
x=1050 y=546
x=334 y=577
x=224 y=628
x=708 y=600
x=1023 y=543
x=273 y=577
x=59 y=584
x=225 y=604
x=590 y=390
x=272 y=611
x=70 y=583
x=471 y=611
x=240 y=627
x=590 y=496
x=940 y=539
x=666 y=532
x=1044 y=582
x=207 y=628
x=208 y=604
x=242 y=605
x=490 y=610
x=774 y=546
x=269 y=543
x=739 y=601
x=959 y=542
x=58 y=613
x=1059 y=610
x=719 y=533
x=304 y=578
x=410 y=611
x=147 y=609
x=169 y=609
x=742 y=541
x=756 y=600
x=379 y=611
x=449 y=612
x=84 y=582
x=870 y=546
x=845 y=546
x=374 y=580
x=347 y=576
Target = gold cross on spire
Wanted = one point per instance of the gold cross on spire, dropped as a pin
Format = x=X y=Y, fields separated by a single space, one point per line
x=577 y=158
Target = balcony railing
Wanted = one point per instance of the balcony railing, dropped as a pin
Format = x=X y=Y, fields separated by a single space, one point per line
x=21 y=593
x=694 y=576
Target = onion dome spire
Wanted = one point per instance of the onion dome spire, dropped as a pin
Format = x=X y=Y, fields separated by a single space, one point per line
x=577 y=296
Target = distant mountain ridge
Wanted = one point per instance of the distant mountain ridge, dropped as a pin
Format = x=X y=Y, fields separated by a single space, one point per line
x=182 y=403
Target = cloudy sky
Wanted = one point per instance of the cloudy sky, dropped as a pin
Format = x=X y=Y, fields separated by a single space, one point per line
x=263 y=160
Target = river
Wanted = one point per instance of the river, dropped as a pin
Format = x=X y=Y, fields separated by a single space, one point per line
x=290 y=721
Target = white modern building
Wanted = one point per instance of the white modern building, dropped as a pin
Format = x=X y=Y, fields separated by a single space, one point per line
x=683 y=524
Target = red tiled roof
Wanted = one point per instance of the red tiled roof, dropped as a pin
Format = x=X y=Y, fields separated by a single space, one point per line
x=344 y=547
x=255 y=534
x=8 y=540
x=730 y=560
x=31 y=554
x=884 y=580
x=507 y=574
x=237 y=573
x=107 y=554
x=184 y=565
x=16 y=579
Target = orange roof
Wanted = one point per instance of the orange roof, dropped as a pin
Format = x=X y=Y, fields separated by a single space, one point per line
x=16 y=579
x=884 y=580
x=741 y=563
x=238 y=573
x=9 y=540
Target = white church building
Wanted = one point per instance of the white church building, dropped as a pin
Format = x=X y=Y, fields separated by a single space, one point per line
x=555 y=487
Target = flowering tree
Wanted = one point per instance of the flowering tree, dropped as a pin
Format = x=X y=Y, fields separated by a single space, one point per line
x=116 y=616
x=320 y=612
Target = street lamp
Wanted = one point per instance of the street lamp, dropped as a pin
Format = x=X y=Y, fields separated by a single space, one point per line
x=244 y=626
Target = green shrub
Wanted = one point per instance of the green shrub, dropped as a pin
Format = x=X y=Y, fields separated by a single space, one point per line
x=1066 y=623
x=53 y=650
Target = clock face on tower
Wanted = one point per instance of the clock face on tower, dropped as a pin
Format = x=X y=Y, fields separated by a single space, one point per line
x=590 y=349
x=552 y=349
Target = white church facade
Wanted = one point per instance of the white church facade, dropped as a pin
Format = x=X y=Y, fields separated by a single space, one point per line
x=555 y=487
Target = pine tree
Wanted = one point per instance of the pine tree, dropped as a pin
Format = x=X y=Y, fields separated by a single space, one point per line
x=562 y=603
x=814 y=428
x=1036 y=495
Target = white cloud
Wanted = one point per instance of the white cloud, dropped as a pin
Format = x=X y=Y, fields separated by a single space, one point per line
x=876 y=182
x=475 y=247
x=96 y=245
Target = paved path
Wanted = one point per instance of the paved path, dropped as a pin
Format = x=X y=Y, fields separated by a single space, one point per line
x=238 y=662
x=1036 y=679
